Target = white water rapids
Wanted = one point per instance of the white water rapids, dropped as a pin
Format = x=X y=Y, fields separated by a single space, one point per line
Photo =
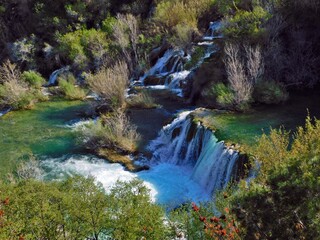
x=188 y=164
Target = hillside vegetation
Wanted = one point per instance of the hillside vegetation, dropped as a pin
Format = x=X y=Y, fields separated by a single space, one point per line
x=269 y=49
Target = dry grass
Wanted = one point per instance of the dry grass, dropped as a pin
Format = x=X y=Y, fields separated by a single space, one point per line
x=9 y=71
x=113 y=132
x=110 y=84
x=235 y=68
x=141 y=100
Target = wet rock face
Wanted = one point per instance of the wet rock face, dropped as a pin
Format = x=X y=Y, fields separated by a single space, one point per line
x=154 y=80
x=208 y=73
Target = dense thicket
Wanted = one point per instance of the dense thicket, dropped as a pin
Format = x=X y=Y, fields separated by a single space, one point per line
x=78 y=208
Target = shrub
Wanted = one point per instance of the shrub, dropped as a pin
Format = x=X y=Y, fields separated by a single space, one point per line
x=71 y=91
x=183 y=35
x=239 y=82
x=82 y=207
x=9 y=71
x=83 y=46
x=200 y=222
x=126 y=35
x=135 y=216
x=107 y=25
x=196 y=56
x=34 y=79
x=270 y=92
x=246 y=24
x=224 y=95
x=112 y=132
x=172 y=13
x=110 y=84
x=141 y=100
x=13 y=91
x=289 y=166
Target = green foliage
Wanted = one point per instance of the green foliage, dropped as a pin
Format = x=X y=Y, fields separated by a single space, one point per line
x=83 y=47
x=71 y=91
x=78 y=208
x=224 y=95
x=226 y=7
x=107 y=25
x=171 y=13
x=67 y=84
x=247 y=24
x=267 y=207
x=142 y=99
x=269 y=92
x=196 y=56
x=135 y=217
x=33 y=78
x=14 y=92
x=110 y=131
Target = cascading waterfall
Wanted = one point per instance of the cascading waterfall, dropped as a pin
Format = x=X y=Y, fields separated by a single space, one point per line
x=215 y=165
x=213 y=31
x=171 y=68
x=174 y=145
x=54 y=76
x=169 y=63
x=188 y=144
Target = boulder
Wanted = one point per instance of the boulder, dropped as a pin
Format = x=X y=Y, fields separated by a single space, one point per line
x=154 y=80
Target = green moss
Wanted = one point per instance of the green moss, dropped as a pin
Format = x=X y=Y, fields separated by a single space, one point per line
x=195 y=57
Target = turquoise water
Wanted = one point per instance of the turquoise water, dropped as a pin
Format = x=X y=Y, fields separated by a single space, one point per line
x=40 y=131
x=246 y=127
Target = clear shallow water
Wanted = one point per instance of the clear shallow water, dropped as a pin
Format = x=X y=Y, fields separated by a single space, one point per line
x=39 y=131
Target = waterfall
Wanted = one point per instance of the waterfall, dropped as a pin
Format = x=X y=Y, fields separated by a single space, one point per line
x=186 y=143
x=173 y=144
x=169 y=63
x=4 y=112
x=213 y=31
x=175 y=81
x=53 y=77
x=215 y=164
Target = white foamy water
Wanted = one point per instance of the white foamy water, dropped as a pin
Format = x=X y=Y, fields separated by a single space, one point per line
x=169 y=184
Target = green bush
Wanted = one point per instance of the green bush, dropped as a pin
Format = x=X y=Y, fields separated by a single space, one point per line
x=170 y=13
x=112 y=132
x=269 y=92
x=196 y=56
x=107 y=25
x=246 y=24
x=84 y=46
x=71 y=91
x=80 y=209
x=18 y=96
x=283 y=201
x=34 y=79
x=224 y=95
